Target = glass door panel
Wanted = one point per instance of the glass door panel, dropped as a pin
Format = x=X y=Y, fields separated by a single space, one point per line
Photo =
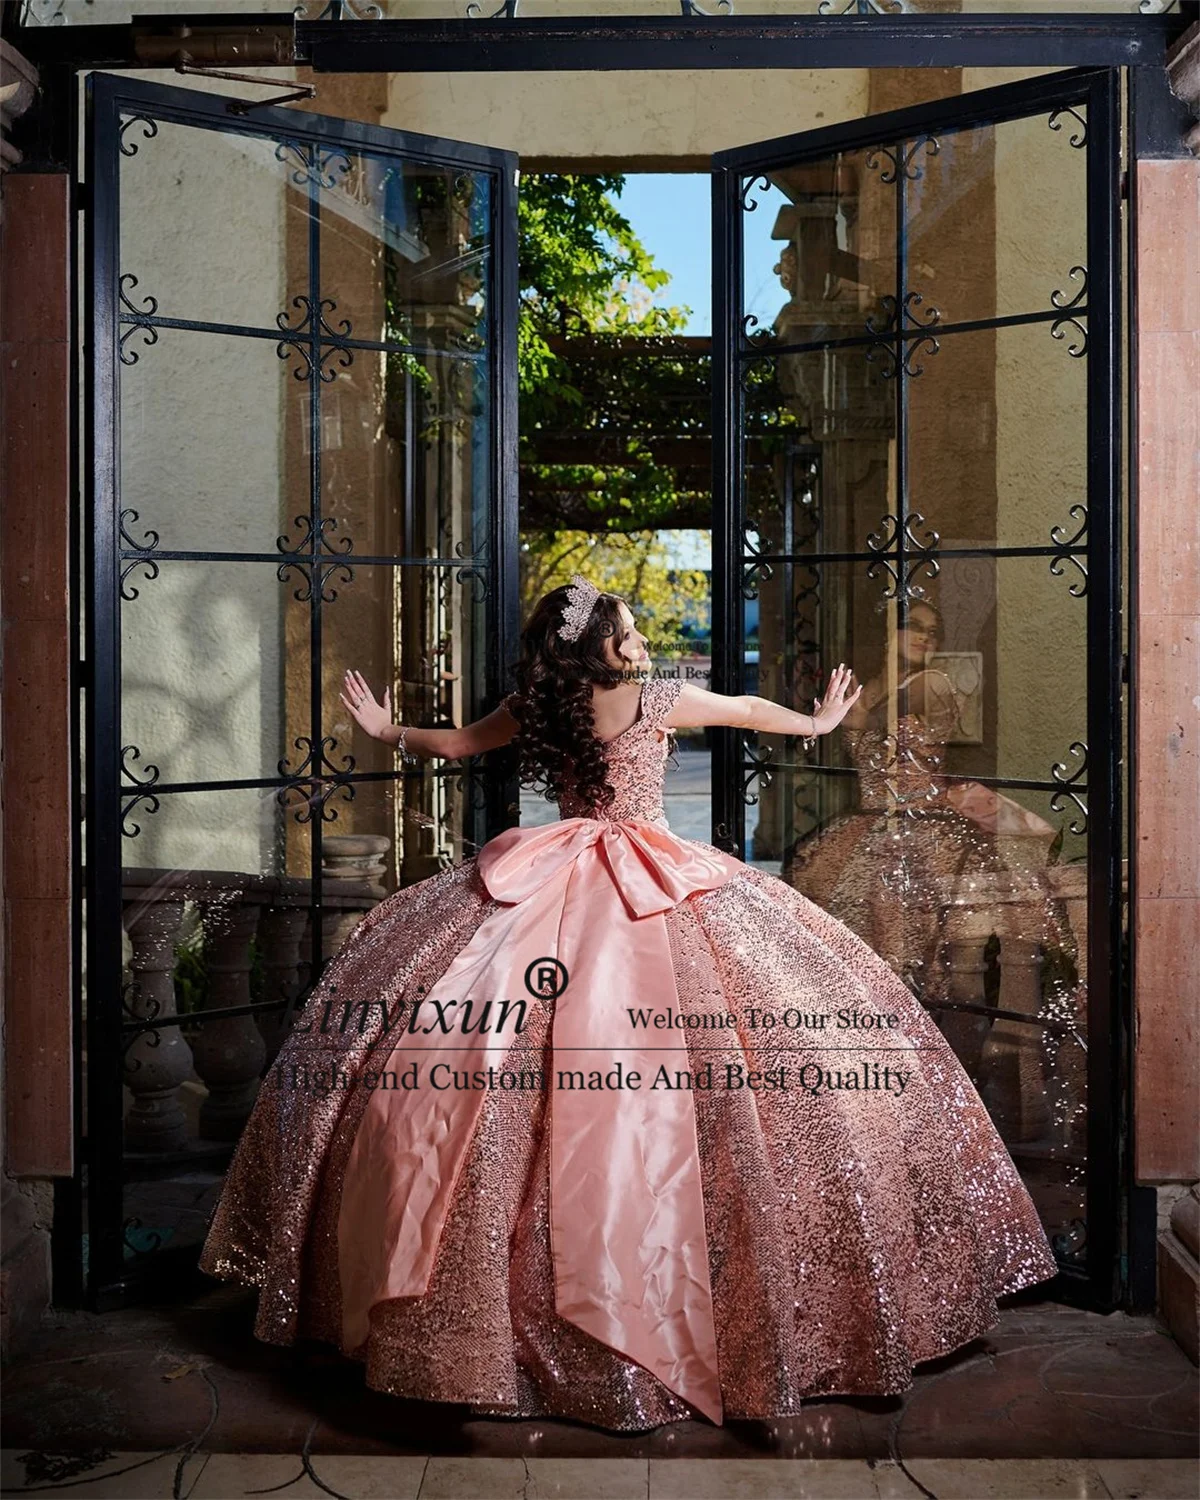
x=301 y=459
x=916 y=458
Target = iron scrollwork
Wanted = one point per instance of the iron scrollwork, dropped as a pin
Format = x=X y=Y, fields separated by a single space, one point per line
x=130 y=148
x=151 y=1239
x=862 y=8
x=1067 y=554
x=313 y=796
x=128 y=592
x=905 y=362
x=754 y=334
x=343 y=10
x=316 y=763
x=1077 y=345
x=478 y=581
x=751 y=576
x=1077 y=139
x=903 y=159
x=756 y=767
x=913 y=566
x=304 y=371
x=307 y=571
x=1071 y=786
x=749 y=205
x=1072 y=1242
x=128 y=514
x=307 y=325
x=150 y=772
x=891 y=322
x=139 y=318
x=317 y=541
x=131 y=830
x=315 y=163
x=883 y=543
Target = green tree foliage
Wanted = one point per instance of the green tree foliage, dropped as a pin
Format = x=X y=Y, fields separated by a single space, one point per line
x=591 y=406
x=595 y=402
x=671 y=604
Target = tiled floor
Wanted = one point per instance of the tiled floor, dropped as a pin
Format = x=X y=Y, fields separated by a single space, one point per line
x=1052 y=1402
x=221 y=1476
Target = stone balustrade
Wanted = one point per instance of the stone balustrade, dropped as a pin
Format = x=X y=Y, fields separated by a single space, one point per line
x=193 y=1083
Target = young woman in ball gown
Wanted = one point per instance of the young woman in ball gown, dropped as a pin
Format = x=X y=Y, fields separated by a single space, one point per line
x=605 y=1124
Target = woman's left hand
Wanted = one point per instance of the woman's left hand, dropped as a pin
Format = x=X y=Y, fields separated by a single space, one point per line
x=374 y=717
x=829 y=712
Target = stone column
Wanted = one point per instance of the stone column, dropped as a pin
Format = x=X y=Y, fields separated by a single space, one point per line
x=230 y=1053
x=1179 y=1273
x=1166 y=911
x=158 y=1061
x=36 y=646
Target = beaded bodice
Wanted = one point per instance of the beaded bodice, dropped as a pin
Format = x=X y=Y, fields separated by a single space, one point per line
x=903 y=762
x=636 y=760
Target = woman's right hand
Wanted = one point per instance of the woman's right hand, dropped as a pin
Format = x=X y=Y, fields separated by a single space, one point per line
x=829 y=712
x=360 y=700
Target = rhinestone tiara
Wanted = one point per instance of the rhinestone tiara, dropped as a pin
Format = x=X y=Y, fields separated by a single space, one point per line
x=581 y=600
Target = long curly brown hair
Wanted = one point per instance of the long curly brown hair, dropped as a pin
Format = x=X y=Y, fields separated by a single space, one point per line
x=558 y=747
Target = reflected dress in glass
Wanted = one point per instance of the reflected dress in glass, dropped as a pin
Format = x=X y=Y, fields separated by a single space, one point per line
x=624 y=1256
x=926 y=862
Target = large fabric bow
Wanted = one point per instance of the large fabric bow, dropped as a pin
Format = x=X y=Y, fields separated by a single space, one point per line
x=626 y=1204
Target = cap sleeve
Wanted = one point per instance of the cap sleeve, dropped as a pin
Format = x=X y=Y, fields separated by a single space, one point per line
x=659 y=698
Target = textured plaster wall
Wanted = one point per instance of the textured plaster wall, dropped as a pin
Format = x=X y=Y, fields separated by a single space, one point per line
x=201 y=443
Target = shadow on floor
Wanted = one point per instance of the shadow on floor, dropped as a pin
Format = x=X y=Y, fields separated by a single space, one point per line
x=1047 y=1382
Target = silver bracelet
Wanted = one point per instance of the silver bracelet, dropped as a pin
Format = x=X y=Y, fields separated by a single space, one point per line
x=405 y=754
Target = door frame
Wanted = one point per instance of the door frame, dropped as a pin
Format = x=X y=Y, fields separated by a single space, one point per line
x=857 y=34
x=1108 y=1007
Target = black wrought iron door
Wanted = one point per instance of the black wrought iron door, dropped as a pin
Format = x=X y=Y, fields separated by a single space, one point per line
x=916 y=360
x=300 y=453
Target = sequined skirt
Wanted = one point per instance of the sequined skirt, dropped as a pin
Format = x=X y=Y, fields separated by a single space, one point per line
x=894 y=877
x=851 y=1235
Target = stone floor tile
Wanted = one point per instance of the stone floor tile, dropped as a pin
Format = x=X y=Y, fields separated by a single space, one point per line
x=369 y=1477
x=761 y=1479
x=1009 y=1478
x=1151 y=1478
x=587 y=1478
x=476 y=1479
x=231 y=1476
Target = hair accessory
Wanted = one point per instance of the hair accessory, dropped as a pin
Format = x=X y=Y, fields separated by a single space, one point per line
x=581 y=600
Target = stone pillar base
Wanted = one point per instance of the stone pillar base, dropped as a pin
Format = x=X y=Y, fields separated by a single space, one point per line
x=1179 y=1274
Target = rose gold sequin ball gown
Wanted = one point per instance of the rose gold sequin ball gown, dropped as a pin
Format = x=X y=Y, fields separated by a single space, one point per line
x=716 y=1243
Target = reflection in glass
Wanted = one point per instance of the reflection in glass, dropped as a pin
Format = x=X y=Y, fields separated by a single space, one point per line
x=959 y=886
x=825 y=232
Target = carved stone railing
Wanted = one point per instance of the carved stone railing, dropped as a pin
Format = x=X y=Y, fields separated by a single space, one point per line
x=1031 y=1073
x=215 y=1066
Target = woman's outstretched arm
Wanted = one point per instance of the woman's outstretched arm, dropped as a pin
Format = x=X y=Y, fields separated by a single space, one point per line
x=489 y=733
x=697 y=708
